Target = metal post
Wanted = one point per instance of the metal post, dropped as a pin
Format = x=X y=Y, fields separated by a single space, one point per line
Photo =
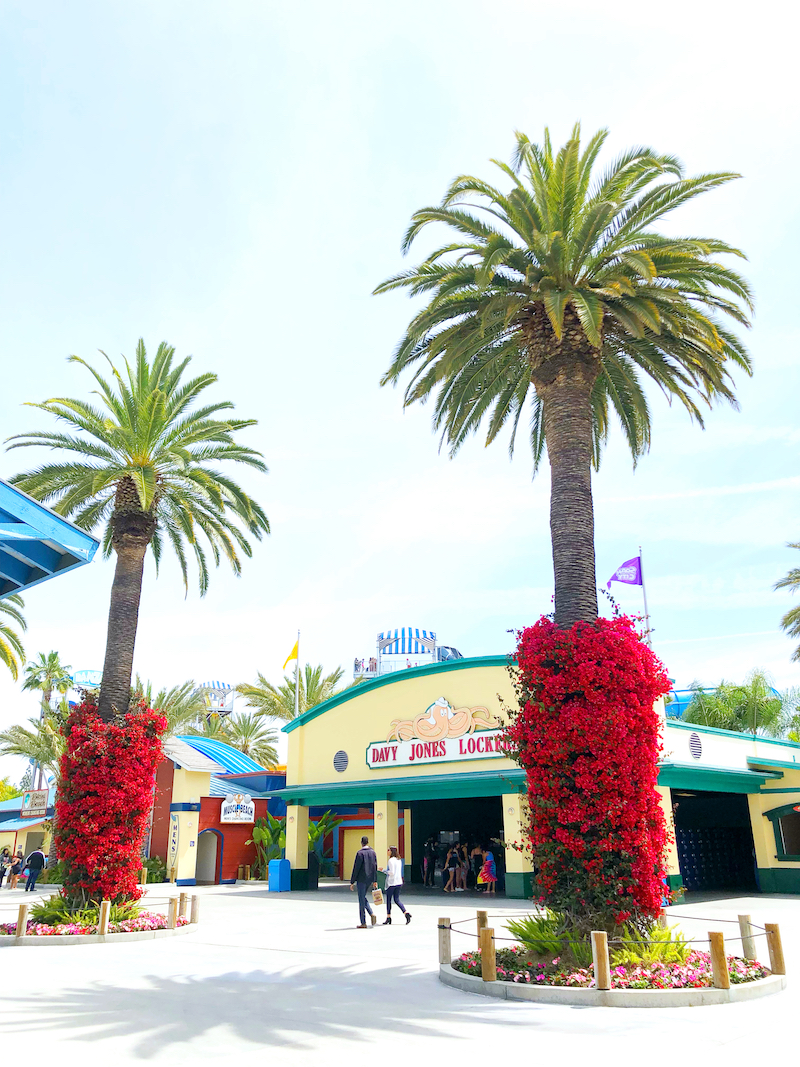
x=445 y=952
x=602 y=965
x=644 y=598
x=488 y=957
x=776 y=961
x=748 y=941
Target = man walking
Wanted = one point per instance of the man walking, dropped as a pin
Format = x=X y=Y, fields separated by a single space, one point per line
x=35 y=862
x=365 y=869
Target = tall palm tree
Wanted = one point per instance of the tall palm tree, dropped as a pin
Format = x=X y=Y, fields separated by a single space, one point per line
x=41 y=742
x=556 y=298
x=277 y=702
x=46 y=674
x=146 y=463
x=791 y=620
x=12 y=652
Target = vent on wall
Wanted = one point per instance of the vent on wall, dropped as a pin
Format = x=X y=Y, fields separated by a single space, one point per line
x=695 y=746
x=340 y=761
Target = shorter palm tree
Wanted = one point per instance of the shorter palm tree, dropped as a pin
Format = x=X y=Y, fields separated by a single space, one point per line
x=11 y=651
x=791 y=620
x=41 y=741
x=181 y=705
x=754 y=707
x=277 y=702
x=245 y=732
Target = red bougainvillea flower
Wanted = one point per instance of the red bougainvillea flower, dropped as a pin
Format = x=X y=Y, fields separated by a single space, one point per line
x=589 y=739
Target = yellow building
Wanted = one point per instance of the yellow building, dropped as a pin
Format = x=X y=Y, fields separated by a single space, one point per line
x=419 y=749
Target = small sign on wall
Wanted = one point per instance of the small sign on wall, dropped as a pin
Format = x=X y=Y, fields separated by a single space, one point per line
x=238 y=807
x=34 y=803
x=174 y=838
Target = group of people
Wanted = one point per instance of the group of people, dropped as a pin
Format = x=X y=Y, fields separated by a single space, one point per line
x=364 y=879
x=464 y=866
x=14 y=865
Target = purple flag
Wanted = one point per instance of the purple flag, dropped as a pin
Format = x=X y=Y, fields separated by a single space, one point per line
x=630 y=572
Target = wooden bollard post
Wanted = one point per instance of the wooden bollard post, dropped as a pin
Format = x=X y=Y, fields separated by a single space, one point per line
x=776 y=961
x=172 y=913
x=195 y=909
x=748 y=941
x=22 y=922
x=173 y=874
x=719 y=965
x=240 y=873
x=143 y=876
x=102 y=922
x=488 y=958
x=483 y=921
x=182 y=905
x=445 y=953
x=602 y=964
x=247 y=872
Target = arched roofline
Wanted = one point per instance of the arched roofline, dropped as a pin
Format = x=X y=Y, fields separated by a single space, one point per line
x=397 y=676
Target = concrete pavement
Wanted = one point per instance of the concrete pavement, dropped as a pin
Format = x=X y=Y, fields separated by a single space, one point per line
x=289 y=978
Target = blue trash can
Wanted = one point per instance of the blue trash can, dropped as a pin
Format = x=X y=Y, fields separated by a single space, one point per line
x=280 y=876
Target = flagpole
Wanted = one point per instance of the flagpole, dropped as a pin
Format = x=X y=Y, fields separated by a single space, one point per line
x=297 y=679
x=644 y=597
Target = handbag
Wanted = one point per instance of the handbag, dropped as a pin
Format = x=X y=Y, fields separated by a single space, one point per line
x=377 y=897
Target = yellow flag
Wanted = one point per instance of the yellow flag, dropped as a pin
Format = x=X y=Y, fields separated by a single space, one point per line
x=292 y=655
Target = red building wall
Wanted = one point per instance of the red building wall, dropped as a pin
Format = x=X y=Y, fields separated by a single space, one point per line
x=159 y=840
x=234 y=835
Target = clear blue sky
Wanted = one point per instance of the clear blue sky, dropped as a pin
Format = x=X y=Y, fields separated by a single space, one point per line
x=236 y=178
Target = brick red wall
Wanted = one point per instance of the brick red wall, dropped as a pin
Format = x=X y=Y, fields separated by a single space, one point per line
x=234 y=849
x=159 y=841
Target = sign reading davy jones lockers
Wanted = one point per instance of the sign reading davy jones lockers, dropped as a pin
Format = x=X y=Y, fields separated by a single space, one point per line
x=440 y=734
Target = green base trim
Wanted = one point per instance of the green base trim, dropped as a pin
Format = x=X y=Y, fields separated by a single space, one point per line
x=773 y=880
x=674 y=882
x=299 y=878
x=519 y=885
x=717 y=779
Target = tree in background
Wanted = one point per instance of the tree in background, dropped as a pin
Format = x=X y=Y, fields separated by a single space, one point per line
x=180 y=705
x=12 y=652
x=754 y=707
x=247 y=733
x=8 y=790
x=42 y=742
x=791 y=620
x=277 y=702
x=149 y=466
x=555 y=298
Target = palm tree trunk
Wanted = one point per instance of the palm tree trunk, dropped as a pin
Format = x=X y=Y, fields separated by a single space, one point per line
x=568 y=429
x=123 y=620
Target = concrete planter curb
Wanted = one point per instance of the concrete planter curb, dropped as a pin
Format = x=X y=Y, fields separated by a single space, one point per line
x=33 y=941
x=612 y=998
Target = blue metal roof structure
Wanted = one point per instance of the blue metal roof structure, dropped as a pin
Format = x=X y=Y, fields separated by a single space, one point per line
x=407 y=640
x=35 y=543
x=230 y=758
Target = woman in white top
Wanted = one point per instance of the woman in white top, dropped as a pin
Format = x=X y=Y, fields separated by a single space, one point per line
x=394 y=880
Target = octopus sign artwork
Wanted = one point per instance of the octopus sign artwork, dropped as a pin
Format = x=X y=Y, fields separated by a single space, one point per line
x=440 y=734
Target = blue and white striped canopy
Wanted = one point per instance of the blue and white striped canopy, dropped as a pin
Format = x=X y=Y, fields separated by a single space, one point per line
x=406 y=641
x=220 y=687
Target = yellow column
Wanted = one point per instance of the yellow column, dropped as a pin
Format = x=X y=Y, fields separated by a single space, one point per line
x=673 y=869
x=187 y=789
x=407 y=844
x=297 y=837
x=519 y=870
x=385 y=828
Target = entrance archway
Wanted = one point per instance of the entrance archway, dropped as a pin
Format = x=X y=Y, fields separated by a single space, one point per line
x=209 y=857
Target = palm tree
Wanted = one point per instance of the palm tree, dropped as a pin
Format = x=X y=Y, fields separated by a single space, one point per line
x=41 y=741
x=147 y=465
x=556 y=298
x=180 y=705
x=46 y=674
x=11 y=651
x=242 y=731
x=754 y=707
x=791 y=620
x=277 y=702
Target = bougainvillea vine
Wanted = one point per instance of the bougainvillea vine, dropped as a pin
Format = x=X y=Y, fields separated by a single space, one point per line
x=588 y=736
x=104 y=800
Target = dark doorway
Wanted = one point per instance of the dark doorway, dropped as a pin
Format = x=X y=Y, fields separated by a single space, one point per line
x=476 y=820
x=715 y=840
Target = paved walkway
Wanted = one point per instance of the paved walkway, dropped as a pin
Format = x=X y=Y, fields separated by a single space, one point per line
x=286 y=979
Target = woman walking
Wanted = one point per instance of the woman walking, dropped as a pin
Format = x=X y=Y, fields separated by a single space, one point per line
x=451 y=866
x=5 y=863
x=394 y=880
x=16 y=869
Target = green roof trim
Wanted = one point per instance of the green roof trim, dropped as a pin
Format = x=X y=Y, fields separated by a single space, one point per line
x=778 y=813
x=424 y=787
x=759 y=761
x=713 y=779
x=398 y=676
x=732 y=733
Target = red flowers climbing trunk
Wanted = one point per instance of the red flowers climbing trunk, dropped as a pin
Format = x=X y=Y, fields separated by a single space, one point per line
x=589 y=739
x=104 y=799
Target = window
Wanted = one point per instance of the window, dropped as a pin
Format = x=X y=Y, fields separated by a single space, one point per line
x=789 y=830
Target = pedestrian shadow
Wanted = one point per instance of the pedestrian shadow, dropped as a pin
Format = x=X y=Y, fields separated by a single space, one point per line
x=262 y=1007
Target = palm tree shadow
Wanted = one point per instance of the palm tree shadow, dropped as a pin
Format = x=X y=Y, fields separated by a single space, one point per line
x=265 y=1008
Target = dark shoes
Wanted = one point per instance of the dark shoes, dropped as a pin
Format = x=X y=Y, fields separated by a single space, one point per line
x=408 y=917
x=387 y=921
x=361 y=926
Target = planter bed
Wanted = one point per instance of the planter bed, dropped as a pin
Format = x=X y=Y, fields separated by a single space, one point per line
x=145 y=926
x=671 y=985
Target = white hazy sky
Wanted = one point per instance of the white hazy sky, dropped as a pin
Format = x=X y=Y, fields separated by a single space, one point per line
x=236 y=178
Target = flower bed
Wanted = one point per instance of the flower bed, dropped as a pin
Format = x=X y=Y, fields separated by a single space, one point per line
x=143 y=922
x=515 y=965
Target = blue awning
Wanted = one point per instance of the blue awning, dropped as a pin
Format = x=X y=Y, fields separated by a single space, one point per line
x=35 y=543
x=228 y=757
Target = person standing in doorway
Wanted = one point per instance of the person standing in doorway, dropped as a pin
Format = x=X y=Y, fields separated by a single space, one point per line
x=488 y=875
x=35 y=862
x=394 y=880
x=365 y=869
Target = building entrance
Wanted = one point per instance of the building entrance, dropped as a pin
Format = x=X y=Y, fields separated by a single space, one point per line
x=714 y=840
x=468 y=820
